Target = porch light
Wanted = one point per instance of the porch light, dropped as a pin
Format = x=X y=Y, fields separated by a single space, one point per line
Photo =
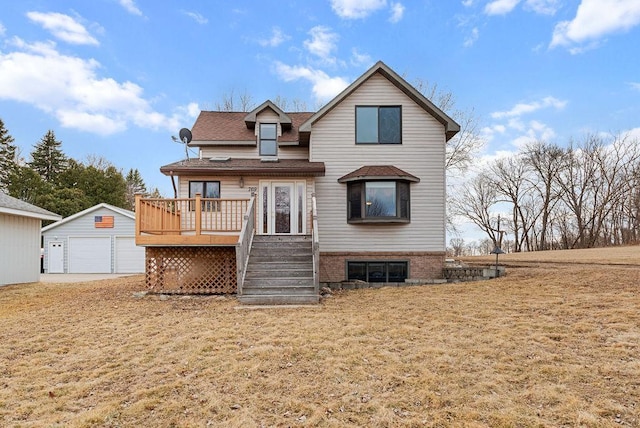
x=497 y=250
x=241 y=182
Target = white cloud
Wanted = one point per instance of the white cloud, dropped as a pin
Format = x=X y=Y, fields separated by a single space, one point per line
x=595 y=19
x=3 y=30
x=63 y=27
x=69 y=88
x=467 y=3
x=324 y=87
x=355 y=9
x=196 y=17
x=397 y=12
x=542 y=7
x=360 y=59
x=635 y=85
x=276 y=39
x=524 y=108
x=471 y=38
x=536 y=131
x=500 y=7
x=130 y=6
x=633 y=134
x=322 y=43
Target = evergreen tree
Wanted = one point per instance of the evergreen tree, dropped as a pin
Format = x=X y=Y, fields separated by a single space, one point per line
x=99 y=184
x=47 y=158
x=27 y=185
x=8 y=165
x=135 y=185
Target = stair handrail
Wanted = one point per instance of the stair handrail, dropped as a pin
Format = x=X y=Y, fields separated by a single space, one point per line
x=245 y=240
x=315 y=239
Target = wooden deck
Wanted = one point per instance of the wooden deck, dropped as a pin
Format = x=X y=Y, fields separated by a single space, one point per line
x=189 y=221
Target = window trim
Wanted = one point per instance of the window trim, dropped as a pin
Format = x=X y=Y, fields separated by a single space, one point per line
x=386 y=262
x=352 y=187
x=378 y=107
x=274 y=140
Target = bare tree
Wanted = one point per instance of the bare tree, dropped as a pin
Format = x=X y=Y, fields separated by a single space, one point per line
x=462 y=148
x=510 y=178
x=474 y=202
x=544 y=159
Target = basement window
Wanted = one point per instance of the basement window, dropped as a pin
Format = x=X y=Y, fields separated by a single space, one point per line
x=377 y=271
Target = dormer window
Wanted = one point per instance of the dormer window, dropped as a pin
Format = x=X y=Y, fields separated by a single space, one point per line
x=268 y=139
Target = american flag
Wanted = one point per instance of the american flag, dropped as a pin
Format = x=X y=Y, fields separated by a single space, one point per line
x=103 y=221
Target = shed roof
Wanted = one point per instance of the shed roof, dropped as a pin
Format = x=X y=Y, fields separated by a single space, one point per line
x=238 y=167
x=15 y=206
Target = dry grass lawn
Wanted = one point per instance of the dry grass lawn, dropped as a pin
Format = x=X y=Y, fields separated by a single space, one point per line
x=555 y=345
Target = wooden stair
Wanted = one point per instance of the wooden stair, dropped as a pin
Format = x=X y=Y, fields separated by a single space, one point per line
x=280 y=271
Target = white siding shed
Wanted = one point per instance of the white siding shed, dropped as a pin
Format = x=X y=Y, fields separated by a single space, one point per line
x=100 y=239
x=20 y=225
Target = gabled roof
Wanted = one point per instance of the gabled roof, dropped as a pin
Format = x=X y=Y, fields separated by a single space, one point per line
x=450 y=126
x=14 y=206
x=221 y=128
x=378 y=172
x=115 y=209
x=250 y=119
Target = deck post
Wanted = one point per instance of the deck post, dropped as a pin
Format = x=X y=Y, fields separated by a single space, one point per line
x=198 y=215
x=136 y=208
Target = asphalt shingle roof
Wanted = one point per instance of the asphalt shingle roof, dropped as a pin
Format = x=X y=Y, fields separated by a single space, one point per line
x=230 y=126
x=9 y=203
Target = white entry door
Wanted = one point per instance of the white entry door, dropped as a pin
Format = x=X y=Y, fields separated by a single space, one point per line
x=55 y=257
x=282 y=208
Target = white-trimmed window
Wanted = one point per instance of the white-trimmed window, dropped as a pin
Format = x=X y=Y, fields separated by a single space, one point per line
x=268 y=139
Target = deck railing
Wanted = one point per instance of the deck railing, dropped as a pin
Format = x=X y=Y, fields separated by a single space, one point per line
x=156 y=216
x=315 y=239
x=244 y=243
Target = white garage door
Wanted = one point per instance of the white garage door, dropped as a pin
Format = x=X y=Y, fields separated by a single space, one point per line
x=90 y=255
x=129 y=258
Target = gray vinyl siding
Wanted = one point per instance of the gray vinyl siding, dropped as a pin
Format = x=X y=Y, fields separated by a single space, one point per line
x=19 y=249
x=83 y=227
x=422 y=153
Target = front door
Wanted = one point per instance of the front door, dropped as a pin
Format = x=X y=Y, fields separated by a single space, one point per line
x=56 y=258
x=282 y=211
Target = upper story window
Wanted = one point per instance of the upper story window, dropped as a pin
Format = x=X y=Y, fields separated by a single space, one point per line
x=378 y=125
x=268 y=135
x=378 y=201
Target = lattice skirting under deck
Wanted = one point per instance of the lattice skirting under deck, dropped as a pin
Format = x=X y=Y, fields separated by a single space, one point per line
x=191 y=270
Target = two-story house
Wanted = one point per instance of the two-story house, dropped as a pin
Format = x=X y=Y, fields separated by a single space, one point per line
x=279 y=202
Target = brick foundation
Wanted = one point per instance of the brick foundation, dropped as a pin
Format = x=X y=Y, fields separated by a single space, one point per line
x=426 y=265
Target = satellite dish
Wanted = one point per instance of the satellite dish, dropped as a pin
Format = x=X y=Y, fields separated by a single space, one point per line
x=185 y=135
x=185 y=138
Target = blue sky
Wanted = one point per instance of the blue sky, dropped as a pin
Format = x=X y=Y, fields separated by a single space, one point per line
x=118 y=78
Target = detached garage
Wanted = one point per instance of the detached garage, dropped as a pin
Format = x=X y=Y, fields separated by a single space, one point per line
x=100 y=239
x=20 y=225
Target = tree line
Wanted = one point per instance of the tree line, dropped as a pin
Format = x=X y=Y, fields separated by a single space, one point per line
x=584 y=195
x=53 y=181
